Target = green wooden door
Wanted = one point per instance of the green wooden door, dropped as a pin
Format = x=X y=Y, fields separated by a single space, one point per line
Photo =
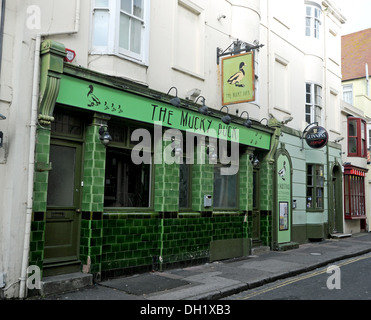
x=61 y=253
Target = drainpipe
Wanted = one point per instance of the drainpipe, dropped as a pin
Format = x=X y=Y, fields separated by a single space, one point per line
x=2 y=30
x=31 y=162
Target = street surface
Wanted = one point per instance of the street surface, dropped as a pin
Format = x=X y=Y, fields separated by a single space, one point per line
x=349 y=280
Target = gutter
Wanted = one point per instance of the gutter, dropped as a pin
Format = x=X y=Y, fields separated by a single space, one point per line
x=31 y=162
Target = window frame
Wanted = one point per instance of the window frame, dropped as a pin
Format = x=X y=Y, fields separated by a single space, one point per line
x=314 y=186
x=113 y=39
x=315 y=21
x=219 y=165
x=315 y=103
x=361 y=140
x=348 y=88
x=126 y=145
x=189 y=186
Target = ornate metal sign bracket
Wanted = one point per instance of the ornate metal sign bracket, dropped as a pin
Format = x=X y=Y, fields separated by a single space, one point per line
x=237 y=47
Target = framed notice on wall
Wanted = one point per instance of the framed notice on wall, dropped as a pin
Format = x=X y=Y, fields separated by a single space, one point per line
x=284 y=214
x=238 y=79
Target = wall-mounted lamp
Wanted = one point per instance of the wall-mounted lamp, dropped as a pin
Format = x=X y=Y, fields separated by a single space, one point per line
x=263 y=120
x=254 y=160
x=175 y=101
x=178 y=151
x=104 y=136
x=204 y=109
x=248 y=122
x=227 y=118
x=2 y=117
x=286 y=120
x=210 y=151
x=222 y=16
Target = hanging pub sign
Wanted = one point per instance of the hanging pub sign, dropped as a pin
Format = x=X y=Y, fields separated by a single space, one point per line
x=316 y=137
x=238 y=79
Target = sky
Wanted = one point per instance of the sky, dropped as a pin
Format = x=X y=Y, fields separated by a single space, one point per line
x=357 y=13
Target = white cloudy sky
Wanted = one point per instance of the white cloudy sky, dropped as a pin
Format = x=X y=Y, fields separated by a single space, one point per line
x=357 y=13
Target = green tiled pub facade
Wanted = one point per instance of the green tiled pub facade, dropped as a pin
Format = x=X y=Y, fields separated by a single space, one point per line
x=112 y=240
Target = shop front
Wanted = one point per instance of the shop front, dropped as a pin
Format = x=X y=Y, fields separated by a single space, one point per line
x=127 y=180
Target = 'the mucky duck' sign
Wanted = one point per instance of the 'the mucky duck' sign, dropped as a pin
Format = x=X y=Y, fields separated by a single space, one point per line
x=316 y=137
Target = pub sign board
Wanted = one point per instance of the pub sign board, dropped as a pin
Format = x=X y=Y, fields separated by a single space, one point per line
x=238 y=79
x=317 y=137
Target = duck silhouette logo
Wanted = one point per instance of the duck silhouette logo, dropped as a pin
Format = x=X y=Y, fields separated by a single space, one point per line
x=282 y=172
x=92 y=98
x=238 y=77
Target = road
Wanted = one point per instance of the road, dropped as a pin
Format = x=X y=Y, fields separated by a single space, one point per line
x=345 y=280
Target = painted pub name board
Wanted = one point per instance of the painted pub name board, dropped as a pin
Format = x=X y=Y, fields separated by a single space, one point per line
x=100 y=98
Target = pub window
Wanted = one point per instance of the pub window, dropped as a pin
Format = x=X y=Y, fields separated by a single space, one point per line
x=315 y=187
x=127 y=185
x=354 y=194
x=225 y=189
x=67 y=124
x=357 y=141
x=184 y=185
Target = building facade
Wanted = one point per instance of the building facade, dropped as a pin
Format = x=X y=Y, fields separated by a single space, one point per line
x=121 y=154
x=356 y=118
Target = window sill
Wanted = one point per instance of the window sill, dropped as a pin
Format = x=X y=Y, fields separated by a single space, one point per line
x=120 y=56
x=355 y=217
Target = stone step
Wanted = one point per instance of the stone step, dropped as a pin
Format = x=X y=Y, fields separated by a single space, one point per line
x=288 y=246
x=65 y=282
x=257 y=251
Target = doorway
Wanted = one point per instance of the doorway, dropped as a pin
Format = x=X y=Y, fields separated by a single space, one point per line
x=256 y=241
x=62 y=228
x=336 y=208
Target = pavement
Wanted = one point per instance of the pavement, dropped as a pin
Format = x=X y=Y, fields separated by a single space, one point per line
x=212 y=281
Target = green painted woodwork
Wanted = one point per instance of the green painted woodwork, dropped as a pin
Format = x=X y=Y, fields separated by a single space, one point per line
x=99 y=98
x=52 y=59
x=283 y=201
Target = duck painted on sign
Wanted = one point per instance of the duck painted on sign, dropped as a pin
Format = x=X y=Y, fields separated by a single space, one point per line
x=93 y=99
x=282 y=172
x=238 y=77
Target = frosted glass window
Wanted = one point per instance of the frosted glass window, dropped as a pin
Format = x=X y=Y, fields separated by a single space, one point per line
x=61 y=183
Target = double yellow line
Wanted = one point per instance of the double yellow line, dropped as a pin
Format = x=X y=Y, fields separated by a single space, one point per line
x=306 y=276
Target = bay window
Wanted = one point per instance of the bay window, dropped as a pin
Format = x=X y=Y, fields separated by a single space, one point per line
x=313 y=21
x=354 y=193
x=121 y=27
x=357 y=141
x=313 y=103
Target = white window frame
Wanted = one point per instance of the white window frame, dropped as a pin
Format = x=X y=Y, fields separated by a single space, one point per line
x=315 y=21
x=315 y=107
x=113 y=48
x=348 y=88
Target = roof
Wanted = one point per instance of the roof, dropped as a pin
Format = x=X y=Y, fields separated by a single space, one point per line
x=356 y=52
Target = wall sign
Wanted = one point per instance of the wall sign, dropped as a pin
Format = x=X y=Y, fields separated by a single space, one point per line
x=316 y=137
x=100 y=98
x=238 y=78
x=283 y=198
